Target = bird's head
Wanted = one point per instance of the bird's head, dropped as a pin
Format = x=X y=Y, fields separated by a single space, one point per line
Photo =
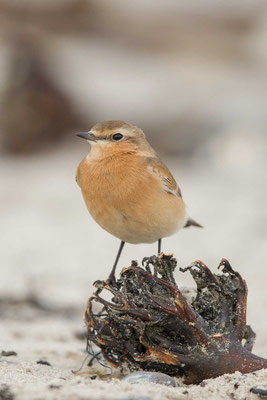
x=115 y=136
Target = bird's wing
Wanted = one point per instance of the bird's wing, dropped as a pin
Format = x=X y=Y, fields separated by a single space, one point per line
x=161 y=171
x=168 y=182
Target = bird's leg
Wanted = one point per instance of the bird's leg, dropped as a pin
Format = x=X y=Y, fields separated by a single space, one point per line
x=112 y=274
x=159 y=246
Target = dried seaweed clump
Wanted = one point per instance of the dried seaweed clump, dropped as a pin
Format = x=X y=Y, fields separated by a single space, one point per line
x=149 y=325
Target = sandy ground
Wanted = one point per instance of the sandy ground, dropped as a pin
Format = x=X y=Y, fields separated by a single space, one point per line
x=49 y=336
x=52 y=251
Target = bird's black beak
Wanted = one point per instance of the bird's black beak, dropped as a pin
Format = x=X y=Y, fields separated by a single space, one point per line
x=87 y=136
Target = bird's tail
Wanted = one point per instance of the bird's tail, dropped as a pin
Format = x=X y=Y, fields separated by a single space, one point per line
x=192 y=222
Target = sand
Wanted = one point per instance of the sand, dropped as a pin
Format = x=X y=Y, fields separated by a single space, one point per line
x=37 y=335
x=53 y=339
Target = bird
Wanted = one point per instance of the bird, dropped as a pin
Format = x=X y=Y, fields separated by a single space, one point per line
x=127 y=189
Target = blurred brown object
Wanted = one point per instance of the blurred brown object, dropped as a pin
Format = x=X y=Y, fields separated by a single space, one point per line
x=187 y=72
x=57 y=15
x=34 y=111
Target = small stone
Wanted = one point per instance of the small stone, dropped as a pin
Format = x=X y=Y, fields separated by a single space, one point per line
x=261 y=390
x=150 y=377
x=55 y=383
x=8 y=353
x=5 y=393
x=43 y=362
x=236 y=385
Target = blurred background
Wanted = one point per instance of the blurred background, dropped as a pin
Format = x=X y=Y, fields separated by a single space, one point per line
x=192 y=75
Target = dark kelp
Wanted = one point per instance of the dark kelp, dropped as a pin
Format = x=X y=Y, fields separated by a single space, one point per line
x=149 y=325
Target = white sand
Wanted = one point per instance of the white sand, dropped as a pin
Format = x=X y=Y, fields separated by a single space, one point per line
x=53 y=339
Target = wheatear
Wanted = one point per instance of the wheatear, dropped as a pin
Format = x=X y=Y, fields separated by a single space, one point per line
x=126 y=187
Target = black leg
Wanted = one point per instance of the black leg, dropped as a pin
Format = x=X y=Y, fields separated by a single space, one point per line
x=112 y=274
x=159 y=246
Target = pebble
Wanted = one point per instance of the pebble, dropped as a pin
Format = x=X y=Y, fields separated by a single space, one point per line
x=55 y=383
x=5 y=393
x=150 y=377
x=8 y=353
x=43 y=362
x=260 y=390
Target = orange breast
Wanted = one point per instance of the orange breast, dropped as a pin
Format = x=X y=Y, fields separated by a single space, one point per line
x=127 y=200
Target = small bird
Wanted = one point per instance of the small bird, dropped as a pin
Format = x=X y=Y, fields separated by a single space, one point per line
x=127 y=189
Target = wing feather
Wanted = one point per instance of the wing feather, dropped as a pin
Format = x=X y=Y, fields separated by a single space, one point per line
x=168 y=182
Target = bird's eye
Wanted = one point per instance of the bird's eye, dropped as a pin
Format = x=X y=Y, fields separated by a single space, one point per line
x=117 y=136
